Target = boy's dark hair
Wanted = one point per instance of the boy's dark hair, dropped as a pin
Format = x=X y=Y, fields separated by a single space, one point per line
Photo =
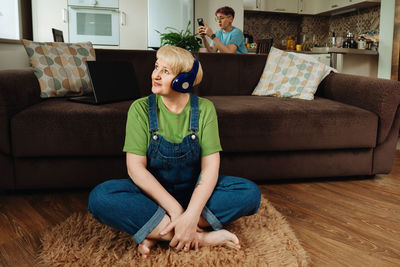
x=226 y=10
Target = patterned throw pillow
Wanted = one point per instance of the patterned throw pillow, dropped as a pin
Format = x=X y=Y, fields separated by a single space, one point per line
x=288 y=74
x=60 y=67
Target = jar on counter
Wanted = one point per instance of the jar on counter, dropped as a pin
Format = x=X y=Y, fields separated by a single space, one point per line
x=290 y=43
x=362 y=43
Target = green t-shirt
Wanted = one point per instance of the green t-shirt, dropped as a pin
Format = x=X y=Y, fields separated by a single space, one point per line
x=173 y=127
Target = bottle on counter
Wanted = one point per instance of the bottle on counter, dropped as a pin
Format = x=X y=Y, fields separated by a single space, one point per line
x=290 y=43
x=333 y=42
x=350 y=42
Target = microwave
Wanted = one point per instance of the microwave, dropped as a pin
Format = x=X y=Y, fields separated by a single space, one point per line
x=94 y=21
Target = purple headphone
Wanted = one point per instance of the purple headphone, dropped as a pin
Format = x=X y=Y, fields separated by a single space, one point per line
x=184 y=81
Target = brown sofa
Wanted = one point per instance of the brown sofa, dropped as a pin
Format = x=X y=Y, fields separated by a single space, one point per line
x=350 y=129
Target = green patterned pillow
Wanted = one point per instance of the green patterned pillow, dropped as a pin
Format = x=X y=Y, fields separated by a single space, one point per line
x=292 y=75
x=60 y=67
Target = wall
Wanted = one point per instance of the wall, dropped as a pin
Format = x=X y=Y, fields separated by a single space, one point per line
x=386 y=39
x=206 y=9
x=279 y=26
x=262 y=25
x=13 y=56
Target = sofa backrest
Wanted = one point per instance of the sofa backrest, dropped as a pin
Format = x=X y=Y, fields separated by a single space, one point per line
x=230 y=74
x=223 y=74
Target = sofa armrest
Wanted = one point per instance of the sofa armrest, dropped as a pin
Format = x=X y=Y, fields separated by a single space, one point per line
x=18 y=90
x=379 y=96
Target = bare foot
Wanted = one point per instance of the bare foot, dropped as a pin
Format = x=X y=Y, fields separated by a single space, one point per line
x=145 y=247
x=219 y=238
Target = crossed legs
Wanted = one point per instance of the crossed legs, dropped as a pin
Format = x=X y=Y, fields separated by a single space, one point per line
x=121 y=205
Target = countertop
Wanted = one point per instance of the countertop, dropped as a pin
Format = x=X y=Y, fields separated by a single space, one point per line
x=328 y=50
x=336 y=50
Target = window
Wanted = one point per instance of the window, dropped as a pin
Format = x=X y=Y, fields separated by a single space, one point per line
x=9 y=15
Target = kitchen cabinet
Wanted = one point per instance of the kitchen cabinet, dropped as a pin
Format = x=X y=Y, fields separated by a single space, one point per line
x=257 y=5
x=305 y=7
x=47 y=14
x=311 y=7
x=335 y=4
x=132 y=27
x=283 y=6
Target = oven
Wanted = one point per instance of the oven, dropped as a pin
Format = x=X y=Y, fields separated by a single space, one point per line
x=96 y=21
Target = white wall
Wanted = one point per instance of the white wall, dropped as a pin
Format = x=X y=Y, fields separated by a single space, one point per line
x=386 y=28
x=206 y=9
x=13 y=56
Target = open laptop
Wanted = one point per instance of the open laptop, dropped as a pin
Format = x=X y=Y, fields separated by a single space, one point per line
x=112 y=81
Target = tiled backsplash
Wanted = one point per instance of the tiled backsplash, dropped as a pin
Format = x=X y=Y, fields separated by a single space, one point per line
x=279 y=26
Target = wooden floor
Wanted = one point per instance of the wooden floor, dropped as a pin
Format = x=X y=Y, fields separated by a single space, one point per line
x=339 y=223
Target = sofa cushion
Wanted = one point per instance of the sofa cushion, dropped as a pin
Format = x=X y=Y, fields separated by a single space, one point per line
x=60 y=67
x=281 y=124
x=278 y=123
x=293 y=75
x=58 y=127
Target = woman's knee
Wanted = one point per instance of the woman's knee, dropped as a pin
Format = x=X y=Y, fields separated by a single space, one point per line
x=251 y=196
x=96 y=197
x=246 y=192
x=99 y=196
x=255 y=194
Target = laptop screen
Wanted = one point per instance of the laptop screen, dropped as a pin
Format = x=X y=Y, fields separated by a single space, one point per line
x=113 y=81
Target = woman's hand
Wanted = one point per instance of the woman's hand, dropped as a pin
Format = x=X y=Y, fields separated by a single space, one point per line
x=185 y=236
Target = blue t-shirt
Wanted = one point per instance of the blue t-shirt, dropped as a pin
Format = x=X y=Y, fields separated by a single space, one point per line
x=235 y=36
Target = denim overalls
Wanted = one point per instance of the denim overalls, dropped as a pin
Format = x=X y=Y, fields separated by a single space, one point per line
x=124 y=206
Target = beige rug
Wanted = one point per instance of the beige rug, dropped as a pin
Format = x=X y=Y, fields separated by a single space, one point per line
x=266 y=240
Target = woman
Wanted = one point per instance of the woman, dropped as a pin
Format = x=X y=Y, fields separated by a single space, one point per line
x=227 y=39
x=172 y=154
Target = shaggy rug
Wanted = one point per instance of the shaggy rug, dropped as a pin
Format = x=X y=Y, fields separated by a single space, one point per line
x=266 y=240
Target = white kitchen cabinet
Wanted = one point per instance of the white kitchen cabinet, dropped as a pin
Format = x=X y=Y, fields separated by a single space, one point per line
x=323 y=58
x=312 y=7
x=47 y=14
x=133 y=24
x=305 y=7
x=336 y=4
x=256 y=5
x=283 y=6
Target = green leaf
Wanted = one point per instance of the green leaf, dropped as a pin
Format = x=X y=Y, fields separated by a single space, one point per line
x=184 y=38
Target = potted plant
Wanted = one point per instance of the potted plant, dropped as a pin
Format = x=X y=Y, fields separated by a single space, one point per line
x=184 y=38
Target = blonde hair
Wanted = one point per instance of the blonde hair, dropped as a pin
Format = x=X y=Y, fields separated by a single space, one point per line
x=179 y=60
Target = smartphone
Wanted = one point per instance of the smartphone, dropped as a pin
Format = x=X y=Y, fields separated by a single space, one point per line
x=200 y=21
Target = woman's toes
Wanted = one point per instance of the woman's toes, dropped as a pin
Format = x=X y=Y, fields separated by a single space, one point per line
x=145 y=246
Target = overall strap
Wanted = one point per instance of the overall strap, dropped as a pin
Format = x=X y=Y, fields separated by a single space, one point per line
x=194 y=113
x=152 y=112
